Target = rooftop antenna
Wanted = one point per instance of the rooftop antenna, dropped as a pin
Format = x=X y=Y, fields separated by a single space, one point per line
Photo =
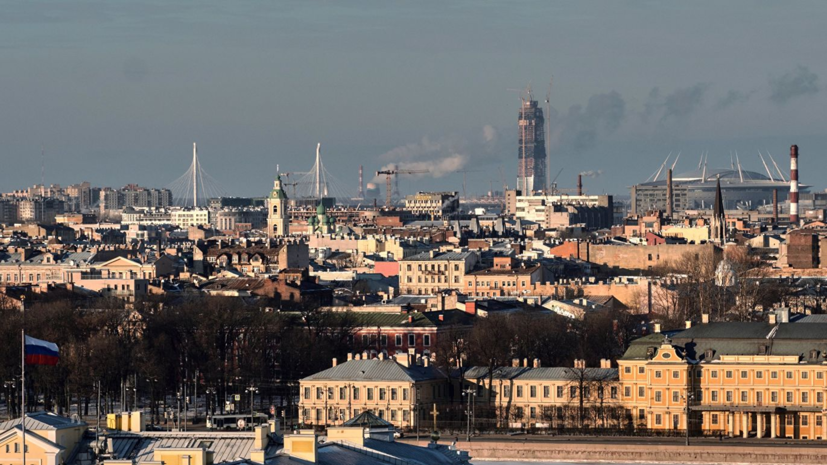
x=740 y=172
x=780 y=173
x=767 y=168
x=676 y=161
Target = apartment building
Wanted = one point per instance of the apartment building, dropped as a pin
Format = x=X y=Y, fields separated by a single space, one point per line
x=429 y=272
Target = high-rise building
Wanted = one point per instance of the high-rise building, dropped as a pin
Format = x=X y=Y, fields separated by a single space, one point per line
x=278 y=221
x=531 y=152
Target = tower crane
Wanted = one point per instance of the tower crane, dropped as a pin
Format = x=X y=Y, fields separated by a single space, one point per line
x=389 y=176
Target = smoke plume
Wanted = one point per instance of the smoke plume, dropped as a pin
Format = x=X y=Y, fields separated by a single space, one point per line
x=733 y=97
x=580 y=128
x=591 y=173
x=794 y=84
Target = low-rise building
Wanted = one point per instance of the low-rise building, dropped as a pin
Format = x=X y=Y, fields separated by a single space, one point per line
x=429 y=272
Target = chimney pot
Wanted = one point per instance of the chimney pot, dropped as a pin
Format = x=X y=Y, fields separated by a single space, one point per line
x=705 y=318
x=525 y=363
x=657 y=327
x=773 y=319
x=334 y=361
x=536 y=363
x=349 y=356
x=688 y=324
x=515 y=362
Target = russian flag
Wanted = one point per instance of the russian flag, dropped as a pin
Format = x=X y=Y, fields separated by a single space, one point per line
x=41 y=352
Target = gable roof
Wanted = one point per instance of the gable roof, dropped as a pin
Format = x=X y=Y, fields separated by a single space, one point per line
x=367 y=418
x=376 y=370
x=31 y=436
x=41 y=421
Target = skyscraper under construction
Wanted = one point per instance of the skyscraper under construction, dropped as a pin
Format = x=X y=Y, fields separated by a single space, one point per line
x=531 y=168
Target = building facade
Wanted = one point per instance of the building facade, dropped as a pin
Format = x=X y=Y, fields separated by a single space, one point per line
x=278 y=221
x=531 y=153
x=434 y=205
x=429 y=272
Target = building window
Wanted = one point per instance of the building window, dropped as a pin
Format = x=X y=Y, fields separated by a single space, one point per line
x=627 y=370
x=342 y=393
x=729 y=396
x=411 y=340
x=759 y=397
x=713 y=374
x=627 y=391
x=789 y=397
x=728 y=374
x=398 y=340
x=658 y=417
x=641 y=391
x=319 y=393
x=805 y=397
x=641 y=370
x=383 y=340
x=532 y=391
x=714 y=418
x=573 y=391
x=819 y=375
x=533 y=412
x=404 y=415
x=805 y=374
x=744 y=396
x=657 y=374
x=743 y=374
x=613 y=392
x=789 y=375
x=774 y=397
x=789 y=420
x=355 y=393
x=426 y=340
x=307 y=393
x=805 y=420
x=658 y=396
x=818 y=420
x=759 y=375
x=773 y=375
x=546 y=391
x=404 y=393
x=507 y=391
x=676 y=397
x=676 y=374
x=365 y=340
x=370 y=393
x=819 y=397
x=382 y=393
x=519 y=391
x=394 y=394
x=714 y=396
x=559 y=391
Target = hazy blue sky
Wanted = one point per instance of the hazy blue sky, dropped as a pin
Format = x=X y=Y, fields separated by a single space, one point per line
x=117 y=91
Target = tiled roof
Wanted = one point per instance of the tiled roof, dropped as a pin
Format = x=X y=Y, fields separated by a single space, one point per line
x=376 y=370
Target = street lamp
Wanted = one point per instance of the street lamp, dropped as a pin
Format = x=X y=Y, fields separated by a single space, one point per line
x=469 y=393
x=252 y=390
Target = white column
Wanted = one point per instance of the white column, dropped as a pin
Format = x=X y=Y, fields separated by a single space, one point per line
x=773 y=425
x=745 y=424
x=759 y=432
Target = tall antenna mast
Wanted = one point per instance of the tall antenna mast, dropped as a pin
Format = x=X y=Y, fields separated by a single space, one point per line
x=548 y=135
x=42 y=183
x=194 y=175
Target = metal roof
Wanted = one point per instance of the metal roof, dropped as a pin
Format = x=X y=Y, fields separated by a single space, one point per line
x=376 y=370
x=43 y=421
x=227 y=446
x=447 y=256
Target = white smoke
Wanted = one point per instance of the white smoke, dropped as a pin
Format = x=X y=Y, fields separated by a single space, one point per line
x=591 y=173
x=438 y=157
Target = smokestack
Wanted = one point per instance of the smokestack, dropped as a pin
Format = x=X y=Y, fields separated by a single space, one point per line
x=361 y=184
x=579 y=184
x=793 y=184
x=775 y=206
x=669 y=195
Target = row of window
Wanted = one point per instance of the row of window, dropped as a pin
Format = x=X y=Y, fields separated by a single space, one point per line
x=730 y=374
x=559 y=392
x=434 y=267
x=370 y=340
x=434 y=279
x=382 y=392
x=496 y=284
x=342 y=414
x=790 y=397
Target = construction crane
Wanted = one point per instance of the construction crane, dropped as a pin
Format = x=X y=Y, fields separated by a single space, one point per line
x=464 y=179
x=389 y=176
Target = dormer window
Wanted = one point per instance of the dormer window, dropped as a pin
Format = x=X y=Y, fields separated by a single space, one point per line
x=762 y=349
x=708 y=354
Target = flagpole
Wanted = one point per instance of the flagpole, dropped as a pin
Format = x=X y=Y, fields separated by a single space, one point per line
x=23 y=389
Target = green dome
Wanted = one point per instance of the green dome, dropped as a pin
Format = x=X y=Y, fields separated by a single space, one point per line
x=320 y=209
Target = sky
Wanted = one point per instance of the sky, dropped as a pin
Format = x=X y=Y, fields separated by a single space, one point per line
x=115 y=92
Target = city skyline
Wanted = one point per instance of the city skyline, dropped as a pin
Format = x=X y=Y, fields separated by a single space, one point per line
x=117 y=94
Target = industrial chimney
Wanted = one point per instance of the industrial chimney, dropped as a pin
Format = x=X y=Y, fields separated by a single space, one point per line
x=579 y=184
x=669 y=195
x=775 y=206
x=794 y=185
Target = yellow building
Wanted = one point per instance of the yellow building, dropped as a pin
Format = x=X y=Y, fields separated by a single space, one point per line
x=549 y=397
x=397 y=389
x=50 y=439
x=763 y=380
x=429 y=272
